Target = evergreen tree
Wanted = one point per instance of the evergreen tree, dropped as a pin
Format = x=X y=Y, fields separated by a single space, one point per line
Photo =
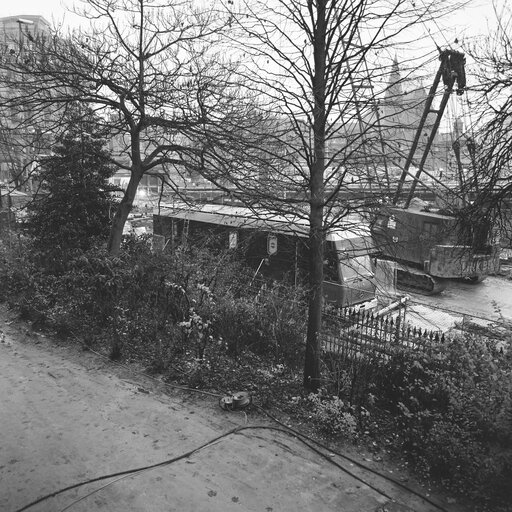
x=72 y=210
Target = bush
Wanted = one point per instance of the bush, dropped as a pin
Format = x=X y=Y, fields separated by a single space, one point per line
x=451 y=409
x=72 y=210
x=271 y=324
x=333 y=416
x=16 y=268
x=158 y=305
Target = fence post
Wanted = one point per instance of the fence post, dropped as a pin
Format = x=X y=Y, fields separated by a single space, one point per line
x=397 y=330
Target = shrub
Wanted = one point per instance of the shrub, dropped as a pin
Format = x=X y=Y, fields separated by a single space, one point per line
x=452 y=410
x=72 y=210
x=16 y=269
x=272 y=324
x=158 y=305
x=332 y=415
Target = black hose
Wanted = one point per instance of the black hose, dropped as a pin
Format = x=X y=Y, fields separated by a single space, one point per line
x=306 y=440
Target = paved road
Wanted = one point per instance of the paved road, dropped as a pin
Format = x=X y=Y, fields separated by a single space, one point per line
x=65 y=417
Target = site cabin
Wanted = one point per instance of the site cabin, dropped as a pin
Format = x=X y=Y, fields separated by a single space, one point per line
x=276 y=247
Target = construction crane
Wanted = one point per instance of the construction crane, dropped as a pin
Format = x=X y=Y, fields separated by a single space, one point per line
x=431 y=245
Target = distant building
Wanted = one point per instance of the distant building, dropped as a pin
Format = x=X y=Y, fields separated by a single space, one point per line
x=20 y=31
x=17 y=35
x=400 y=113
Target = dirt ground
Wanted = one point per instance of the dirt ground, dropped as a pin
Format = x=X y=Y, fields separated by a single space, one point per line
x=492 y=298
x=67 y=416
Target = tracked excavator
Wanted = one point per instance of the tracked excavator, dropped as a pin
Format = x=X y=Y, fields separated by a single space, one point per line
x=432 y=245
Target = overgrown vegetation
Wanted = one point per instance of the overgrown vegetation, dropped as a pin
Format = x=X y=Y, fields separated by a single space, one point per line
x=450 y=409
x=190 y=302
x=446 y=408
x=193 y=317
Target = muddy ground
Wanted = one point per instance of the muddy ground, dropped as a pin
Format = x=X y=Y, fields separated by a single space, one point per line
x=491 y=299
x=67 y=416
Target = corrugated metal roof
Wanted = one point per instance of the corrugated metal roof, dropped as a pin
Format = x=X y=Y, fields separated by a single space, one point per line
x=238 y=216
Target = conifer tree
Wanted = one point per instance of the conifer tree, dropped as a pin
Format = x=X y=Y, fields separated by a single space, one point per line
x=73 y=208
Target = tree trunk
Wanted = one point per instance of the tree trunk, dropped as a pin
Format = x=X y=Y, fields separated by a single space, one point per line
x=121 y=215
x=313 y=340
x=316 y=185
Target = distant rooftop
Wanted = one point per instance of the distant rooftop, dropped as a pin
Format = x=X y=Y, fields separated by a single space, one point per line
x=25 y=17
x=12 y=26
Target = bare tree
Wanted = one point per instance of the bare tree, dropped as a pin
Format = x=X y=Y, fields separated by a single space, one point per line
x=316 y=68
x=490 y=142
x=153 y=73
x=289 y=121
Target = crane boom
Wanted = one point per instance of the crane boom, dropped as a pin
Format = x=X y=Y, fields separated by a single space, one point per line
x=451 y=70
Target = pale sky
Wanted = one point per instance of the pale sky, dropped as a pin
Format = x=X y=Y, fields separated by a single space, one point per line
x=471 y=21
x=474 y=20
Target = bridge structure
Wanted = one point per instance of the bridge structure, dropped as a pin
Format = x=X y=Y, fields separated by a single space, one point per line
x=354 y=192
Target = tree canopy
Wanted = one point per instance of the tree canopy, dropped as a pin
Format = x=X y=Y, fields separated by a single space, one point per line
x=155 y=75
x=490 y=141
x=316 y=67
x=277 y=102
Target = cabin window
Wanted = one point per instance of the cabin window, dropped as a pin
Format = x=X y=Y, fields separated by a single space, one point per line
x=271 y=244
x=381 y=221
x=233 y=239
x=331 y=264
x=356 y=268
x=430 y=228
x=481 y=231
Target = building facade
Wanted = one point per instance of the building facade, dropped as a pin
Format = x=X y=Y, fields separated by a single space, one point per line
x=18 y=147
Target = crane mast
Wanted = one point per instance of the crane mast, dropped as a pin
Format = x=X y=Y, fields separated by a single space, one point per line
x=430 y=246
x=451 y=70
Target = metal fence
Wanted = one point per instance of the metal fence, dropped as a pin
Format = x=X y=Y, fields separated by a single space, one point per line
x=359 y=333
x=414 y=325
x=357 y=344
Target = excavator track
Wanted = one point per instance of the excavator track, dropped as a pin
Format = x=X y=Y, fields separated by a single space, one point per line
x=414 y=280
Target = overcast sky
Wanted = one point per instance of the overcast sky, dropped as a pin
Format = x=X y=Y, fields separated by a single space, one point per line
x=469 y=22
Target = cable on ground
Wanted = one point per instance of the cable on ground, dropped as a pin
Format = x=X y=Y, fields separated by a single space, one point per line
x=306 y=440
x=130 y=471
x=353 y=461
x=135 y=471
x=302 y=438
